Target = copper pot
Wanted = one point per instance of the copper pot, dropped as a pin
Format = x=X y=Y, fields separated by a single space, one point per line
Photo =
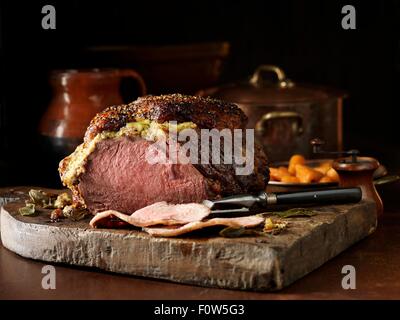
x=284 y=114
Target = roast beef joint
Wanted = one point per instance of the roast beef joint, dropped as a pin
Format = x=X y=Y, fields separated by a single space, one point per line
x=110 y=169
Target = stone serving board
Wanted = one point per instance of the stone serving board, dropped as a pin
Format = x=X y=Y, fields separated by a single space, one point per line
x=262 y=263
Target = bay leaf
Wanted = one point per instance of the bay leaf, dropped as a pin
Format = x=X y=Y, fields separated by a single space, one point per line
x=28 y=210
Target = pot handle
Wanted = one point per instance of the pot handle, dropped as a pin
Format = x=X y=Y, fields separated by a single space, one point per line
x=257 y=79
x=129 y=73
x=297 y=125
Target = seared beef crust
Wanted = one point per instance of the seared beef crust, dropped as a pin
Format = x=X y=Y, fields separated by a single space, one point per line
x=207 y=113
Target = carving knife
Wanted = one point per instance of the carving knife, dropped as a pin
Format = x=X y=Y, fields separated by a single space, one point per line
x=244 y=202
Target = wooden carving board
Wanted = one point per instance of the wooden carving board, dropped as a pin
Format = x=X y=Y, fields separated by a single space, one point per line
x=249 y=263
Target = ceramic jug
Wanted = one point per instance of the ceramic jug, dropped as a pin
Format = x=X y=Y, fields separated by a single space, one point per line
x=77 y=96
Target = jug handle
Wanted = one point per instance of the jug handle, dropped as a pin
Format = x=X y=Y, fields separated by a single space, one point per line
x=129 y=73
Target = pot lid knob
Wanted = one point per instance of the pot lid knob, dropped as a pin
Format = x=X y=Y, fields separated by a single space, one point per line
x=258 y=80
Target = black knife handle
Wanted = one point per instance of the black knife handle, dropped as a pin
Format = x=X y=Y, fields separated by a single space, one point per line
x=340 y=195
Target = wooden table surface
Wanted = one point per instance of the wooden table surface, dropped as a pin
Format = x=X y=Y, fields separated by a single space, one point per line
x=376 y=260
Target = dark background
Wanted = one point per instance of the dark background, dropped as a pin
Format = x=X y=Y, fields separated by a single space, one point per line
x=305 y=38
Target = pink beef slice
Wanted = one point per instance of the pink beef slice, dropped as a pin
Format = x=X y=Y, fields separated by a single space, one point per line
x=118 y=177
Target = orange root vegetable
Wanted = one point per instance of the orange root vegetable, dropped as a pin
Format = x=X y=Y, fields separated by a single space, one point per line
x=295 y=160
x=306 y=174
x=290 y=179
x=333 y=175
x=276 y=174
x=324 y=167
x=325 y=179
x=284 y=171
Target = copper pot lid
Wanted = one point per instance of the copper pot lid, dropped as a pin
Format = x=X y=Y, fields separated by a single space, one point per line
x=261 y=90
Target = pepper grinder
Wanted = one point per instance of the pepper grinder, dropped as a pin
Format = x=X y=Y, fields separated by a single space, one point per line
x=354 y=171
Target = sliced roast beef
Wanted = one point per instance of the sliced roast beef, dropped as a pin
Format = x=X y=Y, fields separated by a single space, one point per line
x=173 y=231
x=157 y=213
x=118 y=177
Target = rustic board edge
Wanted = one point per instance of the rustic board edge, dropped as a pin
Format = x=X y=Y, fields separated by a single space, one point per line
x=240 y=265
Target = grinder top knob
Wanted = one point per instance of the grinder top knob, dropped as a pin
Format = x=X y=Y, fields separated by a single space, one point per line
x=317 y=144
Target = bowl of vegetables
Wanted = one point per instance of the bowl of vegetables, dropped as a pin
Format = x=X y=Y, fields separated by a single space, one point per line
x=300 y=173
